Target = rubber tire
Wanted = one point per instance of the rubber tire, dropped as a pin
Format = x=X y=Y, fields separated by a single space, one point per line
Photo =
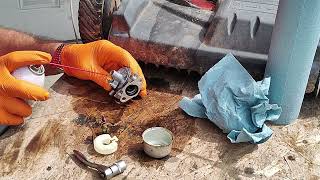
x=95 y=18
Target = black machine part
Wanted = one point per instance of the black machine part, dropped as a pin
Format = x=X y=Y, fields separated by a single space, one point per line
x=164 y=33
x=148 y=30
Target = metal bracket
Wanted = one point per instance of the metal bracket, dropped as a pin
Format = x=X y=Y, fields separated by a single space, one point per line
x=125 y=85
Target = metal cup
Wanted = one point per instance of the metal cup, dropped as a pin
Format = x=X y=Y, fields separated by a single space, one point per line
x=157 y=142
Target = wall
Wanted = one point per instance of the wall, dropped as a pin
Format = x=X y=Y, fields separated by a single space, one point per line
x=49 y=18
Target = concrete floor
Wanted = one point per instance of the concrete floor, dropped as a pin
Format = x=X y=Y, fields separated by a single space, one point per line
x=42 y=148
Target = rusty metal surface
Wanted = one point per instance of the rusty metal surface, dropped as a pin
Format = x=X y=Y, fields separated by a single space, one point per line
x=163 y=33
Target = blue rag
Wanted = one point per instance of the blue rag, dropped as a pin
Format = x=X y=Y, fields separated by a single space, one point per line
x=234 y=101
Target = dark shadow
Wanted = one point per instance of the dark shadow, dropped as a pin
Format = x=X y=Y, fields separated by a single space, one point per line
x=310 y=107
x=11 y=130
x=170 y=80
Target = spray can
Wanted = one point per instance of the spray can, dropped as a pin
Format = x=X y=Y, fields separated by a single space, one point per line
x=33 y=74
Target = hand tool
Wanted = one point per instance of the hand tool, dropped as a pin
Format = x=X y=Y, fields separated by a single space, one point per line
x=105 y=171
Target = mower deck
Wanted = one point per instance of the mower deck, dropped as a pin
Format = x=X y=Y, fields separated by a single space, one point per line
x=164 y=33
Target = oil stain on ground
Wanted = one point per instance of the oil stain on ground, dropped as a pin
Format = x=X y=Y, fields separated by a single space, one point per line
x=129 y=121
x=9 y=160
x=43 y=139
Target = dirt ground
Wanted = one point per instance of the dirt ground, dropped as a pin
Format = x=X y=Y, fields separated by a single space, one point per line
x=79 y=110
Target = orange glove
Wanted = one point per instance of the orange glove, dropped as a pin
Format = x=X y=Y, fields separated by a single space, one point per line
x=12 y=91
x=102 y=57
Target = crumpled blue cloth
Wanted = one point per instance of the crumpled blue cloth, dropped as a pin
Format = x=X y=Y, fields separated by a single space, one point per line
x=234 y=101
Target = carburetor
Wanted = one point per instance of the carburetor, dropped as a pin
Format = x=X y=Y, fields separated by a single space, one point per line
x=125 y=85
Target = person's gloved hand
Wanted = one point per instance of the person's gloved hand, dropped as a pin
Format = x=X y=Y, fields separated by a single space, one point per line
x=12 y=91
x=102 y=57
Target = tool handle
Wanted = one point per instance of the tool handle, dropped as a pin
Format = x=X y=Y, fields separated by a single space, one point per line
x=83 y=159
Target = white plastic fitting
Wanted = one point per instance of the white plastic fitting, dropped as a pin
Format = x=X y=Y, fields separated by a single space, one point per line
x=104 y=144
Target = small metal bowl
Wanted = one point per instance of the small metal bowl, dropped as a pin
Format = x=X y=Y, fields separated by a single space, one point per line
x=157 y=142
